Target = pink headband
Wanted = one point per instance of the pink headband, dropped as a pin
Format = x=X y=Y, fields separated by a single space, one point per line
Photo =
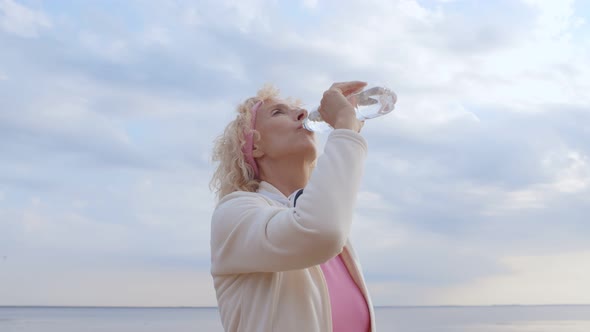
x=249 y=136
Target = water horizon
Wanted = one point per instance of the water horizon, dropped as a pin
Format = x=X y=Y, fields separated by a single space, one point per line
x=375 y=306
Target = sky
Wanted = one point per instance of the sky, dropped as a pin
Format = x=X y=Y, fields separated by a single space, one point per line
x=476 y=188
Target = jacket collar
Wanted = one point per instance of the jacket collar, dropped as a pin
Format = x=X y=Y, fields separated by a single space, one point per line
x=273 y=193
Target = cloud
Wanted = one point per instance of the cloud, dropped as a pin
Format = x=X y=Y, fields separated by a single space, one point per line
x=106 y=137
x=311 y=4
x=90 y=282
x=532 y=279
x=21 y=21
x=115 y=215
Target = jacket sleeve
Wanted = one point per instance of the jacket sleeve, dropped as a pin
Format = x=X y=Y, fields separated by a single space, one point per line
x=250 y=235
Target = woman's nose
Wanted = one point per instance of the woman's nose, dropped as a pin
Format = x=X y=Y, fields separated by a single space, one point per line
x=301 y=114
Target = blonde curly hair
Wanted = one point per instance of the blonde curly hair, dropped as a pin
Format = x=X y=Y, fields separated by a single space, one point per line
x=233 y=173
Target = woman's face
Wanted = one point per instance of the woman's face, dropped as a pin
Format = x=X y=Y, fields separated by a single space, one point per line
x=282 y=135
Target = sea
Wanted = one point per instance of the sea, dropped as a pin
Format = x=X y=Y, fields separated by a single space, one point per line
x=511 y=318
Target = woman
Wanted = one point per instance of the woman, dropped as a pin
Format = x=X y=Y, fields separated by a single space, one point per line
x=280 y=255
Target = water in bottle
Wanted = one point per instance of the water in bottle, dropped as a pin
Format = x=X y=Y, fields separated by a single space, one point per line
x=368 y=104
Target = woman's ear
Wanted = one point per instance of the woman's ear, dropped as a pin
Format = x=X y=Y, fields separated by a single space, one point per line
x=257 y=152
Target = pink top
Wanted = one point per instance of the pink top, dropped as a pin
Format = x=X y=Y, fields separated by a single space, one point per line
x=350 y=312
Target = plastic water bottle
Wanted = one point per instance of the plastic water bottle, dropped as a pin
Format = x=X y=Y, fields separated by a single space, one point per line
x=368 y=104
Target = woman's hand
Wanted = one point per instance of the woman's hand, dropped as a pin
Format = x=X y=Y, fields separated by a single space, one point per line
x=335 y=108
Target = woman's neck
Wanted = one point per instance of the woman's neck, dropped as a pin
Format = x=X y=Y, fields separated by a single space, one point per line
x=285 y=175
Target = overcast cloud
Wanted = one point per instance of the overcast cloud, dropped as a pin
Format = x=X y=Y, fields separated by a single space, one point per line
x=476 y=191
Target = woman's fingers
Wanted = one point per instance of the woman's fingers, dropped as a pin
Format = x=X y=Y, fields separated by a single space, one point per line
x=348 y=88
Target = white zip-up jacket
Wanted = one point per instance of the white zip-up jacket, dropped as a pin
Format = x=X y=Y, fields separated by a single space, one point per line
x=266 y=255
